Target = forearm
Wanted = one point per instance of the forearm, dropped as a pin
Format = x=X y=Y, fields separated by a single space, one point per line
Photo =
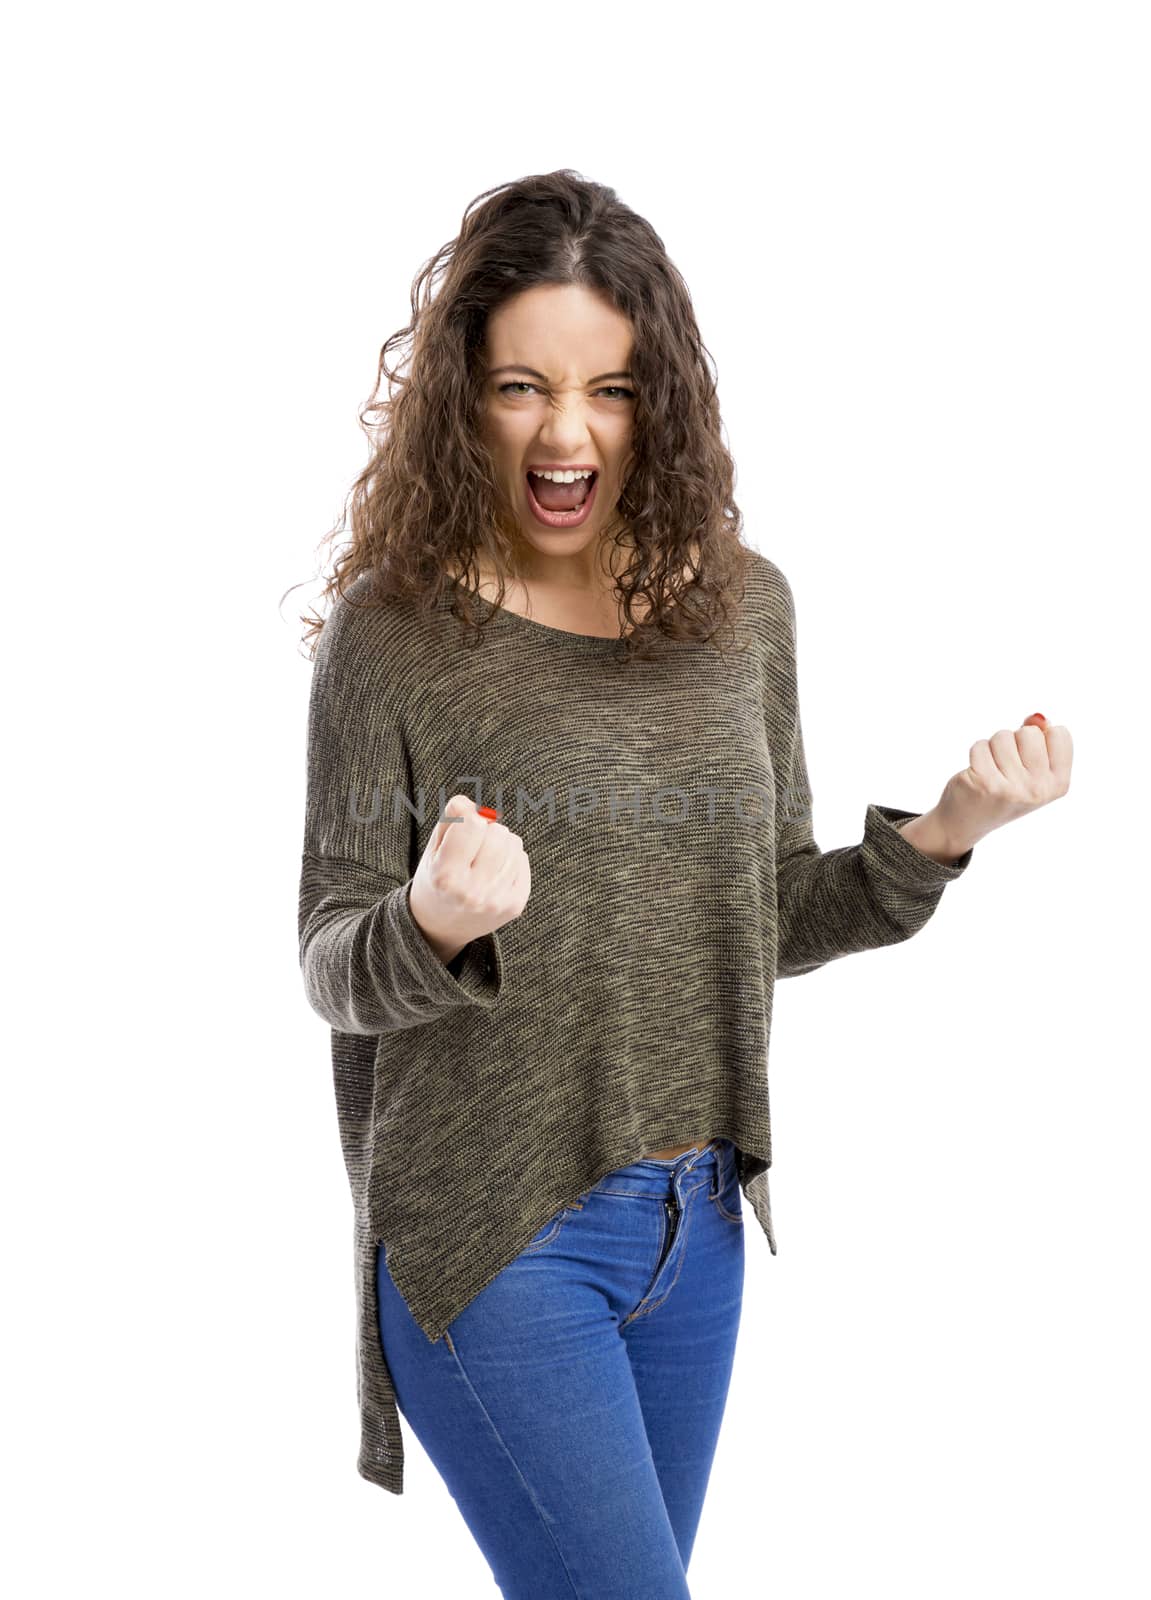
x=857 y=897
x=367 y=965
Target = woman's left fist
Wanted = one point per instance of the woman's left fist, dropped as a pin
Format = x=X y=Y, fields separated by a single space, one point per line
x=1010 y=774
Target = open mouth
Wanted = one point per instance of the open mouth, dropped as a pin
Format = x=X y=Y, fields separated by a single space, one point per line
x=560 y=505
x=561 y=496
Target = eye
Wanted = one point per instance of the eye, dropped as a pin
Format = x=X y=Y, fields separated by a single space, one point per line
x=610 y=388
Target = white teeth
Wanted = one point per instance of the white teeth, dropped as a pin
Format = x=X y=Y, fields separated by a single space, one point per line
x=561 y=477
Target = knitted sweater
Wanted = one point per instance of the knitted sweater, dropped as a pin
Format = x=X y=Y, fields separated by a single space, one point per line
x=666 y=812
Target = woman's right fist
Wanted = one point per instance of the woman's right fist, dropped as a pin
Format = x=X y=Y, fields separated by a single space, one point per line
x=473 y=877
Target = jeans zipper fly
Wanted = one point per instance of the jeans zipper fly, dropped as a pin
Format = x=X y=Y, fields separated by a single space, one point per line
x=669 y=1218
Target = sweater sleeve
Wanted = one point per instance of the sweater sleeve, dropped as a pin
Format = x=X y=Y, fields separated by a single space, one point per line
x=832 y=903
x=366 y=965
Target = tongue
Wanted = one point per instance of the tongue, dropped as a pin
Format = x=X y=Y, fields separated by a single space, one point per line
x=560 y=496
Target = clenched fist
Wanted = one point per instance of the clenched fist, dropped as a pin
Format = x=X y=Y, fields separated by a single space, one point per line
x=473 y=877
x=1010 y=774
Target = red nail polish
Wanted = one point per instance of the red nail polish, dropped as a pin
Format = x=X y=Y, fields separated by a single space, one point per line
x=488 y=811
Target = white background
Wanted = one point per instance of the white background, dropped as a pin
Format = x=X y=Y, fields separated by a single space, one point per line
x=917 y=241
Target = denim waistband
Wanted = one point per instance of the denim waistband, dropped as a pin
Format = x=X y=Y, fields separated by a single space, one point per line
x=664 y=1175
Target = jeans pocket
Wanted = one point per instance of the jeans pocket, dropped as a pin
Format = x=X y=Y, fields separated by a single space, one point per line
x=727 y=1195
x=548 y=1232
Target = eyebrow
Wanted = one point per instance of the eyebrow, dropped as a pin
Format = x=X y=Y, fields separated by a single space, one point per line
x=531 y=371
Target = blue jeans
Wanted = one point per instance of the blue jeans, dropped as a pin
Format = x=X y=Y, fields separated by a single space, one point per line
x=573 y=1407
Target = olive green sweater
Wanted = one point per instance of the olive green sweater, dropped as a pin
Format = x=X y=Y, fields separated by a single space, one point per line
x=665 y=809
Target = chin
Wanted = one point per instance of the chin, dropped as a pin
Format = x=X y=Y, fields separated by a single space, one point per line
x=566 y=540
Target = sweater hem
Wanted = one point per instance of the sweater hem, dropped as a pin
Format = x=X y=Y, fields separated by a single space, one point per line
x=434 y=1312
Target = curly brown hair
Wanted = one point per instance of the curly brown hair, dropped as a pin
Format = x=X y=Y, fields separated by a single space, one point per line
x=427 y=504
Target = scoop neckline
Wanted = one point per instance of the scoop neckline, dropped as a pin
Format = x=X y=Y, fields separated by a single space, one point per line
x=543 y=629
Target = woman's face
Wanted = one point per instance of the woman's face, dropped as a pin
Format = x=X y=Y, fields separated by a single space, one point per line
x=557 y=392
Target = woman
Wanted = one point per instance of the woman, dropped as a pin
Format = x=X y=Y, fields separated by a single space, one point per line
x=550 y=1016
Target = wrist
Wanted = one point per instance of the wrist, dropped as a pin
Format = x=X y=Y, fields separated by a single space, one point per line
x=927 y=834
x=446 y=949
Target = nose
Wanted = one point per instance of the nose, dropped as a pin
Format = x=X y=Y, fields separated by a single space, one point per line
x=565 y=436
x=569 y=414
